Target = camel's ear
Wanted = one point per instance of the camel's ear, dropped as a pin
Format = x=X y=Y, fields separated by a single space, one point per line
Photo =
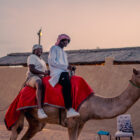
x=135 y=71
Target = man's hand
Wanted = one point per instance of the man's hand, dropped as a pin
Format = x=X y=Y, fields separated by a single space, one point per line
x=72 y=68
x=47 y=73
x=69 y=67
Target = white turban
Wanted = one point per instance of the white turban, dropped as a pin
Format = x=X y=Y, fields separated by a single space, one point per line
x=36 y=46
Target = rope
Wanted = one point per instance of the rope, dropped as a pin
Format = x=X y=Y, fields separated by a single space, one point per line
x=134 y=84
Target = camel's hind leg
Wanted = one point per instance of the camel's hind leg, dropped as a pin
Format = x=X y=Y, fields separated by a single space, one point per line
x=34 y=127
x=16 y=129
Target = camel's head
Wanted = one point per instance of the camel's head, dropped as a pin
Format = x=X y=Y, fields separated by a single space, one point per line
x=136 y=77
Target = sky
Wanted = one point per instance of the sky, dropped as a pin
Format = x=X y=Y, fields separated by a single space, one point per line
x=91 y=24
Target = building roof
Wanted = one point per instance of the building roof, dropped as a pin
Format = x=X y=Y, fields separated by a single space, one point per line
x=93 y=56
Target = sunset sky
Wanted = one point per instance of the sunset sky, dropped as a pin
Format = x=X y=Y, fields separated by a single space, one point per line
x=91 y=24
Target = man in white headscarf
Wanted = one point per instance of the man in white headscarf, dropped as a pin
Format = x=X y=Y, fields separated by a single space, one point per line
x=36 y=70
x=59 y=68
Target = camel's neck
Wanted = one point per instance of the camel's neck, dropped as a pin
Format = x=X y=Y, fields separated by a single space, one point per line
x=103 y=108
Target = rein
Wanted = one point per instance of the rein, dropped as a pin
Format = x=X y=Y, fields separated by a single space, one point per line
x=133 y=84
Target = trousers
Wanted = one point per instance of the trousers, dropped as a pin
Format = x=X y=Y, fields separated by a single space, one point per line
x=64 y=80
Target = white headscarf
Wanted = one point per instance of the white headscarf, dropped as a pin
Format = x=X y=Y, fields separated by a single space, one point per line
x=36 y=46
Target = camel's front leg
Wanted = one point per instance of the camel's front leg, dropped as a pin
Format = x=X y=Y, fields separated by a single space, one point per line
x=81 y=125
x=73 y=133
x=73 y=127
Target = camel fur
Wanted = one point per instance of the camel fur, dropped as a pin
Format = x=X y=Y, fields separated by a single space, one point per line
x=95 y=107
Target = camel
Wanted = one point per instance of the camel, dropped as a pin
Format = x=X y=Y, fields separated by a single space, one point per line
x=95 y=107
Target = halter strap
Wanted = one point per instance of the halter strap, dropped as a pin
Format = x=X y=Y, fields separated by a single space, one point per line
x=133 y=84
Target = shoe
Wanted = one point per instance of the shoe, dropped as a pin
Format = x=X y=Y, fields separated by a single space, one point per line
x=41 y=114
x=72 y=113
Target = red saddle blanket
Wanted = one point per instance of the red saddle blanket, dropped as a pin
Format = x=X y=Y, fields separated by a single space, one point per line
x=53 y=96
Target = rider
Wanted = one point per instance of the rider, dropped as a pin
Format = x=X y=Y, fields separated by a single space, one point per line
x=36 y=70
x=59 y=71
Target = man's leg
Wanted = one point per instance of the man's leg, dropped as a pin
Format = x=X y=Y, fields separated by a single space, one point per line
x=66 y=89
x=38 y=85
x=36 y=82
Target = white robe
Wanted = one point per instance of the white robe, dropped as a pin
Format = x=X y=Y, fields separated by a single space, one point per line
x=58 y=63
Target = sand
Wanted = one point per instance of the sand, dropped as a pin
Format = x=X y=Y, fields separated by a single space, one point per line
x=47 y=134
x=54 y=134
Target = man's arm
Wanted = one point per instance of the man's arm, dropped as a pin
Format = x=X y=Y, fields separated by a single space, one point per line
x=35 y=71
x=53 y=61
